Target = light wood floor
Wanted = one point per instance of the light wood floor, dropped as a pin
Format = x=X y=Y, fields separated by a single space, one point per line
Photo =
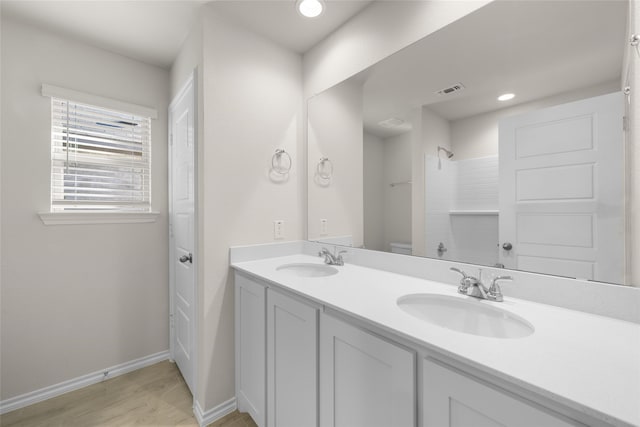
x=155 y=396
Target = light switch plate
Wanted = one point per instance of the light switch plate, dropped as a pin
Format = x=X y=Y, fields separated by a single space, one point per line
x=278 y=229
x=323 y=227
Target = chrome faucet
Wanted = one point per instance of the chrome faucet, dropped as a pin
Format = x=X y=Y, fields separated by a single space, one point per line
x=495 y=293
x=332 y=258
x=473 y=286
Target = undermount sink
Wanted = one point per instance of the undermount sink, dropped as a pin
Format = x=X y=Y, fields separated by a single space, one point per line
x=470 y=316
x=308 y=269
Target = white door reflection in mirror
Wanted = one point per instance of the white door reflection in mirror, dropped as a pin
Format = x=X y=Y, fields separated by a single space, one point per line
x=562 y=192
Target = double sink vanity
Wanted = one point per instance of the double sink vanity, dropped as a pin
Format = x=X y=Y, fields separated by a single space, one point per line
x=351 y=345
x=429 y=158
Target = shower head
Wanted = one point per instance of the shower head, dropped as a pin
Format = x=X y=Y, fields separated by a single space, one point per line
x=448 y=153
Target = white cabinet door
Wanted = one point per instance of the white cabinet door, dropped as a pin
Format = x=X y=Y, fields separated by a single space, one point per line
x=451 y=399
x=365 y=381
x=292 y=368
x=250 y=332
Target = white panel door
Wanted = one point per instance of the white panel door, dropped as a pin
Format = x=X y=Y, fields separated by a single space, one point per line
x=292 y=369
x=250 y=337
x=182 y=232
x=365 y=381
x=451 y=399
x=562 y=190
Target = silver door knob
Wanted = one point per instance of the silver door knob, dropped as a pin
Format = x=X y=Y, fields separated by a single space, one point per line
x=507 y=246
x=185 y=258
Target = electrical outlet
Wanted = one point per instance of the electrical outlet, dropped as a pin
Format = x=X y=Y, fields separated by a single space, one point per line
x=278 y=229
x=323 y=227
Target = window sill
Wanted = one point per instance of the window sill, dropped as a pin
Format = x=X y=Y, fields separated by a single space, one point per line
x=94 y=217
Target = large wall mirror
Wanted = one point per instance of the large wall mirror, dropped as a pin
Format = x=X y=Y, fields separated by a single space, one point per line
x=416 y=155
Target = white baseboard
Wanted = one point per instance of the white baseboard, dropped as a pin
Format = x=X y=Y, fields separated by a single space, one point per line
x=36 y=396
x=212 y=415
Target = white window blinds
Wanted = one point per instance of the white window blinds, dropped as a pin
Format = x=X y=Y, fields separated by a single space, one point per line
x=100 y=158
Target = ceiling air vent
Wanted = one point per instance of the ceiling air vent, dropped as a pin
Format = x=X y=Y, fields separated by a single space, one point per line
x=451 y=89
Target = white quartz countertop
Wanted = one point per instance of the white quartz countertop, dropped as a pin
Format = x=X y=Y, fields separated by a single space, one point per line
x=586 y=362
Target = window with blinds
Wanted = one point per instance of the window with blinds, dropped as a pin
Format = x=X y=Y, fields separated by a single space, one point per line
x=100 y=158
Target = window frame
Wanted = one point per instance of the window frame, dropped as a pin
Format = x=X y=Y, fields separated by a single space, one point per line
x=97 y=216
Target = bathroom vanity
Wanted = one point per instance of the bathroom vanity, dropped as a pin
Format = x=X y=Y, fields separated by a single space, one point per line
x=338 y=346
x=424 y=152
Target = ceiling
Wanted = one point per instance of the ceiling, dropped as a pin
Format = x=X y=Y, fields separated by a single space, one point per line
x=153 y=31
x=280 y=21
x=534 y=49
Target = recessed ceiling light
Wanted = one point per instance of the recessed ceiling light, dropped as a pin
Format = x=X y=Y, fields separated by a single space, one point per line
x=310 y=8
x=506 y=97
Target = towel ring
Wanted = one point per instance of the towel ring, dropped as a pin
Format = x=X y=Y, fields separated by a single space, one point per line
x=278 y=165
x=325 y=168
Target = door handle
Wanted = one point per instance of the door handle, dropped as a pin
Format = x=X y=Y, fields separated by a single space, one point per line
x=185 y=258
x=507 y=246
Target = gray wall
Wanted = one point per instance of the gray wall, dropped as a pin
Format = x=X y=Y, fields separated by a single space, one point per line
x=75 y=298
